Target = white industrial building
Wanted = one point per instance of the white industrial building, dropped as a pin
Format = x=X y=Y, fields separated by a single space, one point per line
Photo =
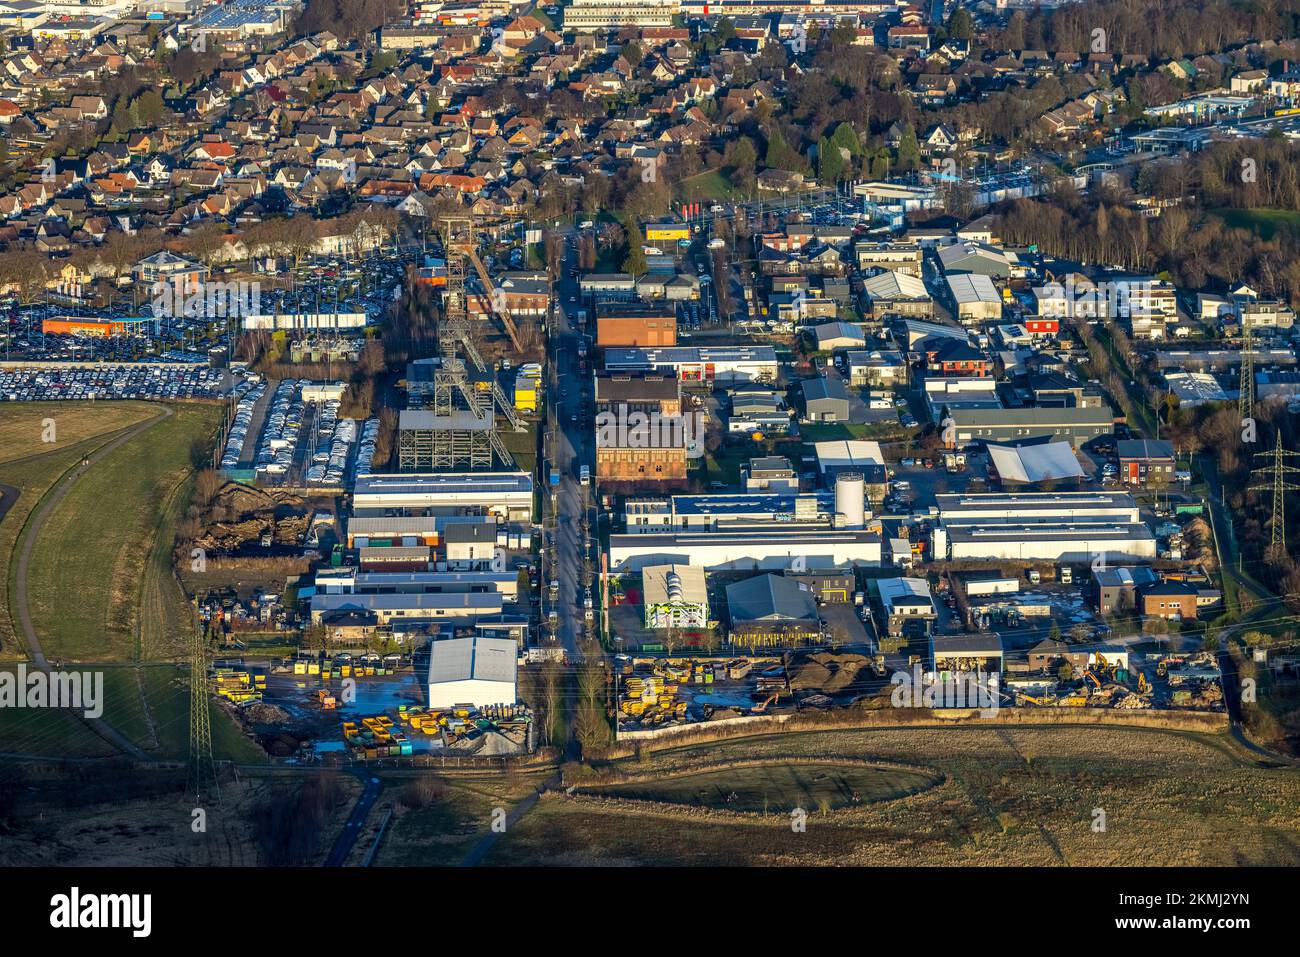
x=1023 y=507
x=1046 y=542
x=845 y=507
x=762 y=549
x=960 y=392
x=850 y=454
x=1035 y=463
x=675 y=596
x=1041 y=526
x=974 y=297
x=506 y=494
x=478 y=671
x=750 y=531
x=305 y=320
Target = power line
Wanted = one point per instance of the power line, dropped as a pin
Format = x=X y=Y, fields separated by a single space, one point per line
x=1275 y=475
x=1246 y=394
x=202 y=777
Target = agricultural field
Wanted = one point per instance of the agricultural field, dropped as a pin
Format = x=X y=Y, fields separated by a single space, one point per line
x=1021 y=796
x=112 y=535
x=32 y=467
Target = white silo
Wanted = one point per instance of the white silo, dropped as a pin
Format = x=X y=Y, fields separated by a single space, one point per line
x=851 y=499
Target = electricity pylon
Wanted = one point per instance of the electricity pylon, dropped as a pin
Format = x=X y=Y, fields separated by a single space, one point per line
x=1246 y=396
x=202 y=772
x=1276 y=481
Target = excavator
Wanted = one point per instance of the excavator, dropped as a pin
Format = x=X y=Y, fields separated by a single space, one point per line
x=1033 y=699
x=762 y=706
x=1144 y=686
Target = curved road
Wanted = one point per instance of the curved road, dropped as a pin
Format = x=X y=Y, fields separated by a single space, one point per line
x=21 y=605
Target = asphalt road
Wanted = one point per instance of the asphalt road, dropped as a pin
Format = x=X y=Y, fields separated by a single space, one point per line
x=352 y=830
x=571 y=446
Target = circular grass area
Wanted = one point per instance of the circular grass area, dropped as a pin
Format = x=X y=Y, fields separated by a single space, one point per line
x=776 y=786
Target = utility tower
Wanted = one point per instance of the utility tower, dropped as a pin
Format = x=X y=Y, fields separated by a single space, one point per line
x=202 y=773
x=1275 y=478
x=1246 y=400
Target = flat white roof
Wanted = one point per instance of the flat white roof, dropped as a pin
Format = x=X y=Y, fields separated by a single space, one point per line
x=838 y=452
x=444 y=483
x=655 y=580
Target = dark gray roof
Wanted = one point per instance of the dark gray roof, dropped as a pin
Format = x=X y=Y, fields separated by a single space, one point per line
x=771 y=598
x=1144 y=449
x=824 y=387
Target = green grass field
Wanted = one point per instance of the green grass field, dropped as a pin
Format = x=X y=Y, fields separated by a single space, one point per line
x=101 y=537
x=23 y=425
x=149 y=704
x=49 y=732
x=33 y=466
x=710 y=185
x=1265 y=223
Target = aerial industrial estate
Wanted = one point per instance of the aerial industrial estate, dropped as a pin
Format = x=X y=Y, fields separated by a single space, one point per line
x=760 y=432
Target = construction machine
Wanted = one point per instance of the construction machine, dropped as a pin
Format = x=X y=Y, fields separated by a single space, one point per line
x=1144 y=686
x=1034 y=699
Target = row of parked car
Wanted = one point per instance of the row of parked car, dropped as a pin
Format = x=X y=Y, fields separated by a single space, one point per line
x=279 y=440
x=239 y=425
x=334 y=438
x=43 y=384
x=366 y=449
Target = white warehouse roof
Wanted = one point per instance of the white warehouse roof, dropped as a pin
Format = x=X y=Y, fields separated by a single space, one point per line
x=1035 y=463
x=478 y=670
x=973 y=287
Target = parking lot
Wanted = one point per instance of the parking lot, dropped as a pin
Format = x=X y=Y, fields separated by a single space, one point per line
x=153 y=382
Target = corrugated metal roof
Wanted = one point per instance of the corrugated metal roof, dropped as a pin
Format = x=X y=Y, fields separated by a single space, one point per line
x=477 y=658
